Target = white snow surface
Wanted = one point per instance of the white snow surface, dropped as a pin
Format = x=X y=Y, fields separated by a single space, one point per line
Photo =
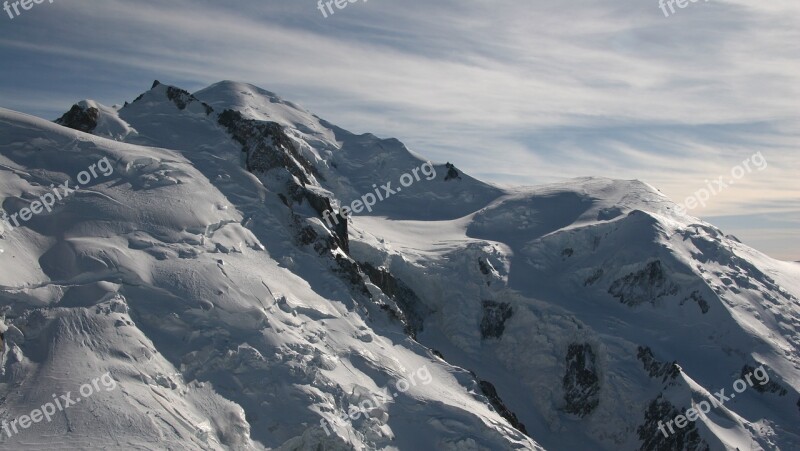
x=181 y=275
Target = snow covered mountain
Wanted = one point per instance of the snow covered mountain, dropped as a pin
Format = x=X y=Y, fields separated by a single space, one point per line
x=206 y=265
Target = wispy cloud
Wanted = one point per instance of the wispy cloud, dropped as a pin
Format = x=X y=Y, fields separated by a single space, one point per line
x=510 y=91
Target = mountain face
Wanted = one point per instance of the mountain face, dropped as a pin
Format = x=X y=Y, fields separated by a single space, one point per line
x=246 y=275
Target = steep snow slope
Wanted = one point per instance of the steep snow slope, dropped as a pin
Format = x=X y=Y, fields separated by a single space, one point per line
x=219 y=330
x=586 y=311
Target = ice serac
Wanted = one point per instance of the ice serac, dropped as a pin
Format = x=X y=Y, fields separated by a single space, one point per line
x=212 y=278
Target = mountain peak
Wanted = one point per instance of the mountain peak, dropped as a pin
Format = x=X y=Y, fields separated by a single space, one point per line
x=567 y=306
x=256 y=103
x=160 y=93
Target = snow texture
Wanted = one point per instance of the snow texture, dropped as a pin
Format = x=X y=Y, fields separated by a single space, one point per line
x=203 y=277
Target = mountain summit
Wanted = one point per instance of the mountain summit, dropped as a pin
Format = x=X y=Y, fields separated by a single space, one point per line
x=251 y=276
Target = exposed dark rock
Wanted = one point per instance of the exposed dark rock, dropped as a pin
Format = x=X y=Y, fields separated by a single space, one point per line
x=653 y=439
x=267 y=146
x=567 y=252
x=488 y=270
x=655 y=368
x=490 y=392
x=698 y=298
x=179 y=97
x=452 y=173
x=79 y=118
x=307 y=235
x=581 y=383
x=598 y=273
x=342 y=265
x=182 y=99
x=769 y=387
x=398 y=316
x=646 y=285
x=339 y=222
x=283 y=199
x=412 y=307
x=486 y=267
x=322 y=205
x=495 y=315
x=317 y=201
x=351 y=272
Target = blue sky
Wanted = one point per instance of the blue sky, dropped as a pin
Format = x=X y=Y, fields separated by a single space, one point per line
x=516 y=92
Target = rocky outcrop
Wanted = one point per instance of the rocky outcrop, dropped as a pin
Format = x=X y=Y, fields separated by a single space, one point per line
x=488 y=270
x=490 y=392
x=581 y=382
x=410 y=304
x=351 y=272
x=655 y=368
x=267 y=146
x=656 y=436
x=452 y=173
x=80 y=118
x=495 y=315
x=182 y=99
x=646 y=285
x=485 y=266
x=324 y=208
x=404 y=305
x=698 y=298
x=769 y=387
x=179 y=97
x=596 y=275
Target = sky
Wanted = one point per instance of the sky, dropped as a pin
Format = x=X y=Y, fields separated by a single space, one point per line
x=517 y=92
